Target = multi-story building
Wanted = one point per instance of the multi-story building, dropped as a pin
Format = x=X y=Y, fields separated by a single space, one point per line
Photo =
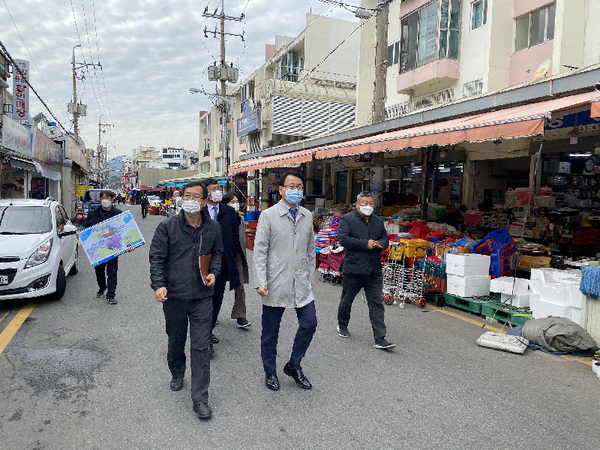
x=304 y=89
x=444 y=50
x=447 y=60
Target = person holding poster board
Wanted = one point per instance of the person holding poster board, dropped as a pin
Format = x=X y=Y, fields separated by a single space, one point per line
x=185 y=257
x=106 y=273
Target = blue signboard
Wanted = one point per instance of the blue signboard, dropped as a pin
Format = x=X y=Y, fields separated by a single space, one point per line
x=581 y=118
x=248 y=122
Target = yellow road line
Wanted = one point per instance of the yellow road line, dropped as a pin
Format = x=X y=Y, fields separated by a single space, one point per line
x=587 y=362
x=14 y=325
x=466 y=319
x=4 y=316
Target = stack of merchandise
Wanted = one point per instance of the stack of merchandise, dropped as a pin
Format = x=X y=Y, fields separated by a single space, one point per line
x=556 y=293
x=328 y=234
x=513 y=291
x=468 y=274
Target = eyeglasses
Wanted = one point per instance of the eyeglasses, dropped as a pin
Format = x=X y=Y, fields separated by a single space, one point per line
x=293 y=186
x=190 y=197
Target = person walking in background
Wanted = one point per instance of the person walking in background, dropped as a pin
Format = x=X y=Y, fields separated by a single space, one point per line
x=185 y=258
x=284 y=258
x=226 y=217
x=363 y=237
x=145 y=204
x=239 y=305
x=176 y=202
x=106 y=274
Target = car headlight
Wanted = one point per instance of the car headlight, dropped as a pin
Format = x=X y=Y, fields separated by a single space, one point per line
x=40 y=255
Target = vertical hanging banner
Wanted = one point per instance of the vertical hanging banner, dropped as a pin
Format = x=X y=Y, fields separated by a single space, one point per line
x=21 y=90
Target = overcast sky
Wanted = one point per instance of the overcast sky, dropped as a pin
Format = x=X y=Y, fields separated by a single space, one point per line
x=151 y=51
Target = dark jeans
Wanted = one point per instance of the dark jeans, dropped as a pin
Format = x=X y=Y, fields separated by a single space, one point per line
x=199 y=313
x=271 y=319
x=144 y=211
x=373 y=286
x=104 y=271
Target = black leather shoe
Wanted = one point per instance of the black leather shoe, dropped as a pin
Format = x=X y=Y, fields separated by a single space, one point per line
x=271 y=381
x=297 y=375
x=176 y=383
x=203 y=411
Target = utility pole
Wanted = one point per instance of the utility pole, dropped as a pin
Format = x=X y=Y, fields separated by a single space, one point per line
x=379 y=95
x=223 y=73
x=101 y=126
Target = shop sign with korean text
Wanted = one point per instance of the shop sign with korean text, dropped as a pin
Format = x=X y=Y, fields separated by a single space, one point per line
x=21 y=90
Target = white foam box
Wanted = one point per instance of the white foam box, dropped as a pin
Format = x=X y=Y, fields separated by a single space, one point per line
x=541 y=309
x=509 y=285
x=468 y=286
x=516 y=300
x=468 y=264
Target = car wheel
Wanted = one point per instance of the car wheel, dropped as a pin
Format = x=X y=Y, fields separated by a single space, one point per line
x=61 y=283
x=75 y=266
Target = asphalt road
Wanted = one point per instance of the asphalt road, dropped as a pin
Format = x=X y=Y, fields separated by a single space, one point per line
x=81 y=374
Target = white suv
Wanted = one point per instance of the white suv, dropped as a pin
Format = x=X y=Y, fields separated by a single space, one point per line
x=38 y=247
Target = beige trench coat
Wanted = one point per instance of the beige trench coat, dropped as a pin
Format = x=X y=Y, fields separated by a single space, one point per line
x=284 y=256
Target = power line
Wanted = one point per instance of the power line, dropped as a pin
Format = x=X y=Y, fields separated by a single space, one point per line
x=31 y=87
x=101 y=69
x=32 y=59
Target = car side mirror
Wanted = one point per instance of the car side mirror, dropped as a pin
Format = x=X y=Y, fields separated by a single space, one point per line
x=68 y=230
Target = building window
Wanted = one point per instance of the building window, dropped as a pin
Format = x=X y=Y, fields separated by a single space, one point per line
x=535 y=28
x=478 y=14
x=206 y=124
x=289 y=66
x=429 y=33
x=206 y=147
x=393 y=54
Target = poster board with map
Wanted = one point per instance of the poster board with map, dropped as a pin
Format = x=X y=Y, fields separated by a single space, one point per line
x=111 y=238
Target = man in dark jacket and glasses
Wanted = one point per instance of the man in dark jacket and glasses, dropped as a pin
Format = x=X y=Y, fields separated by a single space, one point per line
x=363 y=237
x=185 y=257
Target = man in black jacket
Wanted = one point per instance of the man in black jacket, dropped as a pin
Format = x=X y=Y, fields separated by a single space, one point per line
x=107 y=271
x=183 y=277
x=227 y=218
x=363 y=237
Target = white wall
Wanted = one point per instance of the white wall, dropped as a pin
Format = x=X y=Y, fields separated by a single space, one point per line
x=592 y=34
x=366 y=68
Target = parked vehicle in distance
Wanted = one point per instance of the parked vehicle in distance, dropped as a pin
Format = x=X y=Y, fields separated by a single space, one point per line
x=38 y=248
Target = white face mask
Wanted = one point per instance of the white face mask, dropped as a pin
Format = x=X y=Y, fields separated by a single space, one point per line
x=235 y=206
x=366 y=210
x=216 y=196
x=106 y=203
x=191 y=206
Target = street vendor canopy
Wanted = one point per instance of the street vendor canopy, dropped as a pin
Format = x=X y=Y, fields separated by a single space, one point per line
x=297 y=157
x=595 y=107
x=517 y=122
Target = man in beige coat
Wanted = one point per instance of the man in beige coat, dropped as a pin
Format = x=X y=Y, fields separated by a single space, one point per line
x=284 y=258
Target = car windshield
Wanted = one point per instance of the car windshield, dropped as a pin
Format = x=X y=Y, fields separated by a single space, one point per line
x=25 y=220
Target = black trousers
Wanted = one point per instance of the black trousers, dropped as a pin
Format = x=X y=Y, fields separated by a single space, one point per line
x=105 y=271
x=271 y=320
x=198 y=313
x=144 y=212
x=220 y=282
x=373 y=286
